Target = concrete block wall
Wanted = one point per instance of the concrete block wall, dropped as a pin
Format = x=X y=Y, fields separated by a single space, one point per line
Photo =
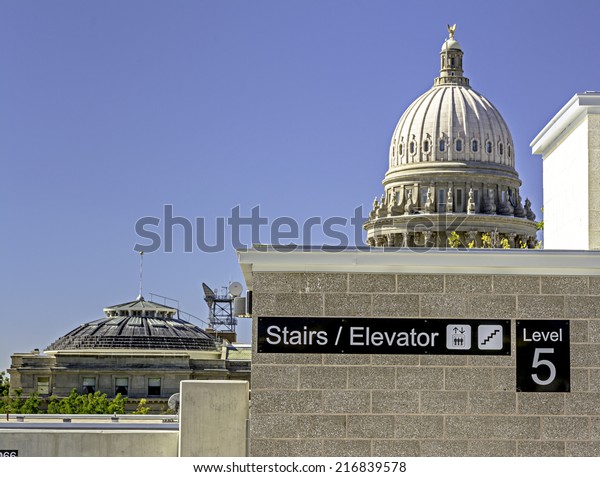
x=408 y=405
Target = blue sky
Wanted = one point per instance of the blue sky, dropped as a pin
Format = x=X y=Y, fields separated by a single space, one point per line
x=112 y=109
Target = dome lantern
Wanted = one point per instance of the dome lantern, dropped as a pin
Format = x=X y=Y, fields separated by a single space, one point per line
x=451 y=55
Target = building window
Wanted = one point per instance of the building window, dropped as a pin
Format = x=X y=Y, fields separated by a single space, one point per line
x=412 y=147
x=153 y=386
x=426 y=146
x=89 y=386
x=423 y=196
x=474 y=146
x=442 y=145
x=400 y=149
x=122 y=386
x=501 y=148
x=441 y=201
x=509 y=150
x=43 y=385
x=459 y=145
x=458 y=207
x=488 y=147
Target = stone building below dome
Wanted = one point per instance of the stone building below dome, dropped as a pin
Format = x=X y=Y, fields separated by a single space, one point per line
x=140 y=349
x=451 y=169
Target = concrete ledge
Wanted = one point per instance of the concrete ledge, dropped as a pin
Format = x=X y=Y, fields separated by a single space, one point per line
x=400 y=260
x=91 y=443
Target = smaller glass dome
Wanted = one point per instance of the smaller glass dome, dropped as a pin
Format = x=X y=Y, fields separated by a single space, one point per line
x=139 y=324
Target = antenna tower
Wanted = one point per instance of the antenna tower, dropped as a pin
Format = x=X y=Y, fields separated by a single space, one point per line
x=221 y=307
x=140 y=296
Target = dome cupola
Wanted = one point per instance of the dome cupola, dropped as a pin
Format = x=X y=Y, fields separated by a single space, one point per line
x=451 y=55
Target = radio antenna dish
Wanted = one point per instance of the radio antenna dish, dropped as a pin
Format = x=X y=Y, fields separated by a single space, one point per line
x=235 y=289
x=173 y=402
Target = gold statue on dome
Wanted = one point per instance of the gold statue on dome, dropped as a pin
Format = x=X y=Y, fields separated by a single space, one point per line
x=451 y=30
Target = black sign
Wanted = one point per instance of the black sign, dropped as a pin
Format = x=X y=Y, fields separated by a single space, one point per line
x=9 y=453
x=543 y=356
x=383 y=336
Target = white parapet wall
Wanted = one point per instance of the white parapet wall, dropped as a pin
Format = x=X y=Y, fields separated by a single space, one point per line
x=213 y=419
x=89 y=443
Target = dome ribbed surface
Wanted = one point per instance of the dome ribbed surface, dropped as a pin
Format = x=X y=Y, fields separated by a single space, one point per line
x=448 y=114
x=142 y=327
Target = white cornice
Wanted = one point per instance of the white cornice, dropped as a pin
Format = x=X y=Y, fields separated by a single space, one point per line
x=565 y=120
x=434 y=261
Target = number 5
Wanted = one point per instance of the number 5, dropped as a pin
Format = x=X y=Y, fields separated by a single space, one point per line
x=543 y=362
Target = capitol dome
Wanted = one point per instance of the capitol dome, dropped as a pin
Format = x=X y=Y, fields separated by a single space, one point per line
x=451 y=123
x=451 y=169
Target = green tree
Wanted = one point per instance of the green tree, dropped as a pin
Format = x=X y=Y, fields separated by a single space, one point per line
x=31 y=405
x=117 y=405
x=92 y=403
x=141 y=407
x=4 y=384
x=53 y=405
x=16 y=404
x=4 y=388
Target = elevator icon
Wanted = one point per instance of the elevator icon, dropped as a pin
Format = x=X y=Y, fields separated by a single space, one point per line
x=458 y=336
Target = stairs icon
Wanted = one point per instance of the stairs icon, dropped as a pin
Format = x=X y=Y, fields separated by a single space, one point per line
x=489 y=336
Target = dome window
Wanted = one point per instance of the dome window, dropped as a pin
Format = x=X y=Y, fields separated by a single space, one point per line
x=488 y=147
x=442 y=145
x=400 y=149
x=509 y=150
x=501 y=148
x=412 y=147
x=459 y=145
x=475 y=145
x=426 y=146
